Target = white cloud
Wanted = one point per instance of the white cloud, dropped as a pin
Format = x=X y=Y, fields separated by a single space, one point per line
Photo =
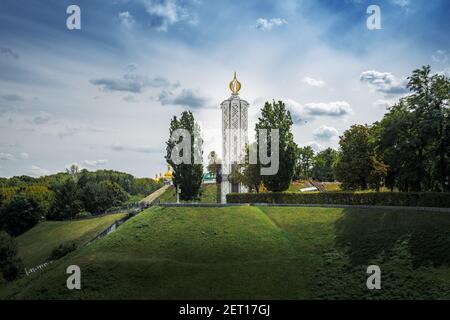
x=384 y=82
x=269 y=24
x=440 y=56
x=130 y=98
x=41 y=118
x=132 y=83
x=37 y=171
x=317 y=147
x=12 y=97
x=313 y=82
x=186 y=98
x=164 y=13
x=24 y=156
x=305 y=112
x=95 y=163
x=325 y=133
x=333 y=109
x=10 y=52
x=69 y=131
x=126 y=19
x=401 y=3
x=134 y=148
x=6 y=156
x=383 y=103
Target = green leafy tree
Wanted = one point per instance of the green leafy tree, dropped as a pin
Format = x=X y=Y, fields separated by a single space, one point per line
x=429 y=103
x=247 y=173
x=414 y=136
x=323 y=165
x=357 y=164
x=67 y=201
x=275 y=116
x=40 y=194
x=98 y=197
x=213 y=164
x=11 y=265
x=251 y=174
x=304 y=162
x=187 y=177
x=19 y=215
x=395 y=140
x=215 y=169
x=144 y=186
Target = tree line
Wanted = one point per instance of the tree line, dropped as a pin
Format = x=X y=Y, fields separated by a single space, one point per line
x=75 y=193
x=407 y=150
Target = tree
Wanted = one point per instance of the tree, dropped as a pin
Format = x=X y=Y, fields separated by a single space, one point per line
x=357 y=164
x=395 y=140
x=98 y=197
x=67 y=201
x=429 y=103
x=215 y=169
x=144 y=186
x=187 y=177
x=19 y=215
x=11 y=265
x=213 y=164
x=414 y=136
x=41 y=195
x=251 y=176
x=304 y=162
x=247 y=173
x=323 y=165
x=275 y=116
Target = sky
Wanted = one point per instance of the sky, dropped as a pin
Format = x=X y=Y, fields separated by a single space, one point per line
x=102 y=97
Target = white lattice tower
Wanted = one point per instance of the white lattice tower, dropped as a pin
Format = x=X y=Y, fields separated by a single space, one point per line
x=234 y=136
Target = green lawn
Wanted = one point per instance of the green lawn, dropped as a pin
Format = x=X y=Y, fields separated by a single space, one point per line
x=257 y=253
x=36 y=245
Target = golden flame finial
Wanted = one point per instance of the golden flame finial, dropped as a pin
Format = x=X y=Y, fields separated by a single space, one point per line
x=235 y=85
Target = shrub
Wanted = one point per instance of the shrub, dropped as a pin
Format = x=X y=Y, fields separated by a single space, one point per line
x=62 y=250
x=83 y=215
x=19 y=215
x=10 y=265
x=413 y=199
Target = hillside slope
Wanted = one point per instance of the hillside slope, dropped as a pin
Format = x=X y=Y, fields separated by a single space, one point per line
x=256 y=253
x=36 y=244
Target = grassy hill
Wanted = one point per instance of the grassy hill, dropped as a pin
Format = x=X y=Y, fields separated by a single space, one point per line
x=36 y=244
x=257 y=252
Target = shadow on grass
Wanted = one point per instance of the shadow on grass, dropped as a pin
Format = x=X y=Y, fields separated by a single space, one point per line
x=367 y=234
x=408 y=247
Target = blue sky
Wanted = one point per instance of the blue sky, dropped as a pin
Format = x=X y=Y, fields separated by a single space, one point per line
x=102 y=96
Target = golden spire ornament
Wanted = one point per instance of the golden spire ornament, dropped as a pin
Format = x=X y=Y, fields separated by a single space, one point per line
x=235 y=85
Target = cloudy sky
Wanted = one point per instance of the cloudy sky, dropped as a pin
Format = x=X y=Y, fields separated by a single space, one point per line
x=103 y=96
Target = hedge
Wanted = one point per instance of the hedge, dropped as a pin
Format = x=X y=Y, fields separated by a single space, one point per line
x=409 y=199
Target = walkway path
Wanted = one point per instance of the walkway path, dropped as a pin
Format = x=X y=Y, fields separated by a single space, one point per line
x=150 y=199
